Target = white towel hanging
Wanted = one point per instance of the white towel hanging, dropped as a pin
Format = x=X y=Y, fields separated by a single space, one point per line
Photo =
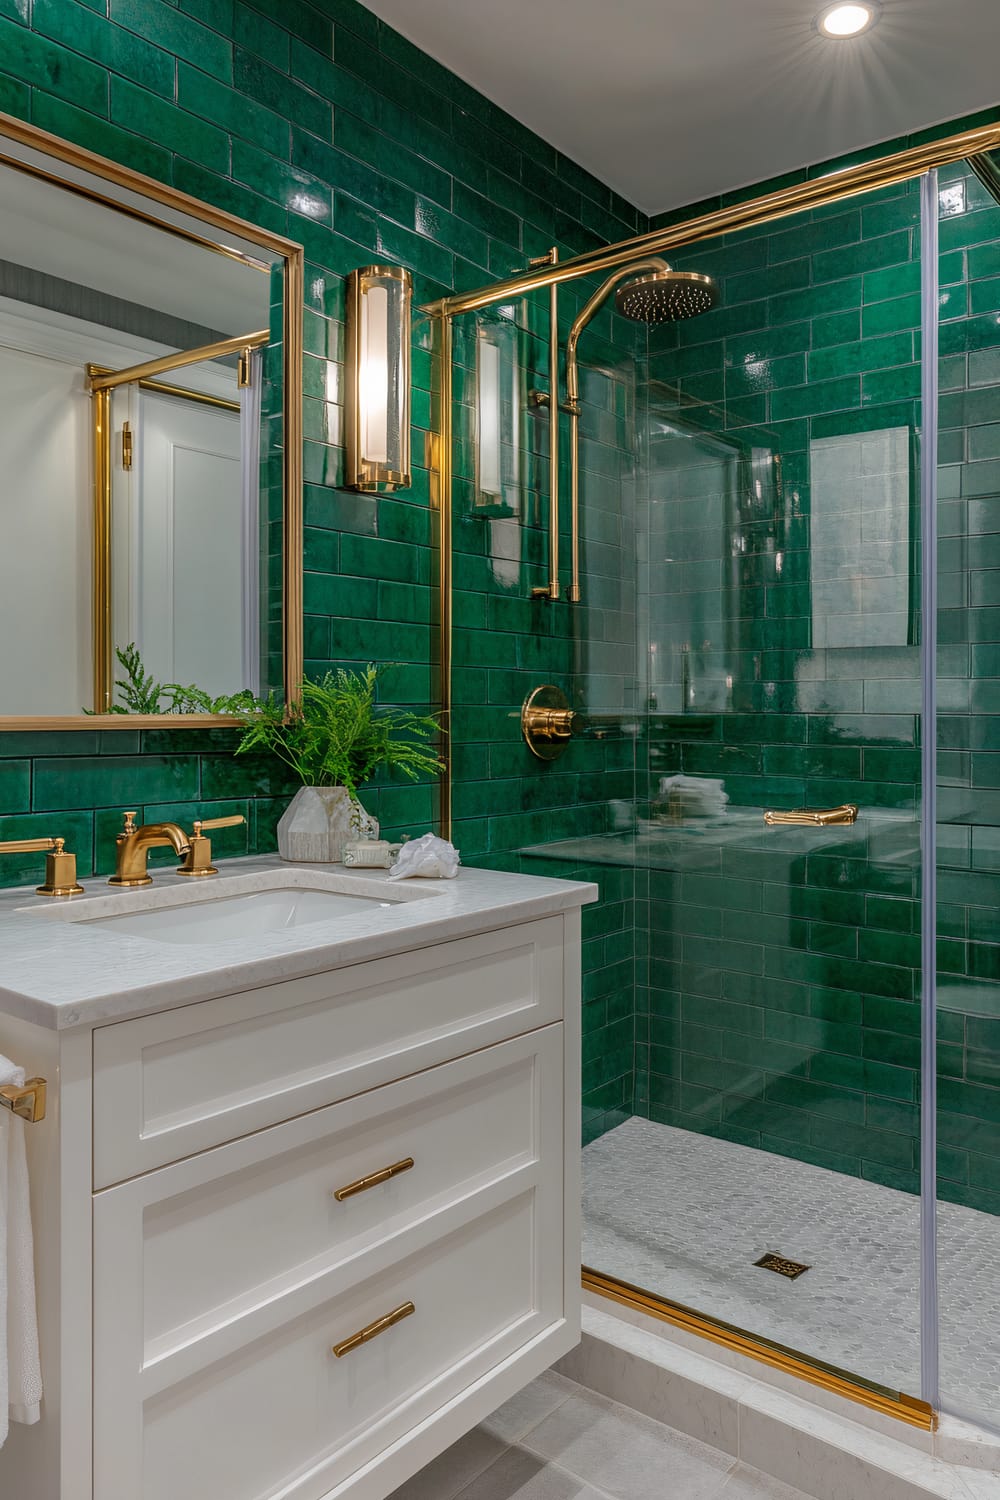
x=20 y=1372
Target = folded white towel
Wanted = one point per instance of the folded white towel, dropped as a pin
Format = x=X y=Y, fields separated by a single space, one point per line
x=20 y=1372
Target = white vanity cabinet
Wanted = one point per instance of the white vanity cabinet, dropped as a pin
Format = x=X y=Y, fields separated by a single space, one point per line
x=215 y=1276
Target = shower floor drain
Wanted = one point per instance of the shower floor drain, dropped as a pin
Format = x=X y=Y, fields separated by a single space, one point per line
x=779 y=1263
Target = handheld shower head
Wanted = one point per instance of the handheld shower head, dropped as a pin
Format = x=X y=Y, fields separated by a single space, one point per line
x=666 y=296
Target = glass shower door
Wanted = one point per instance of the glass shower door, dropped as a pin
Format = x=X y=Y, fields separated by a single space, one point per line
x=769 y=1176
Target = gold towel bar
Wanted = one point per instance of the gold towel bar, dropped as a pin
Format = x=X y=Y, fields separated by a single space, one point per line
x=347 y=1346
x=27 y=1103
x=814 y=817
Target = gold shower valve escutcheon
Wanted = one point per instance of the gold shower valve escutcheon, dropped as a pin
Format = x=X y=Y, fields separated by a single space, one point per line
x=548 y=722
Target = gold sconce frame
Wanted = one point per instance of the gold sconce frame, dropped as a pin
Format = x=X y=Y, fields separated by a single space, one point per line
x=48 y=158
x=385 y=381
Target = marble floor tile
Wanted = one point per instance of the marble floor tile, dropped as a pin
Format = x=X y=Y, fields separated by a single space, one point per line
x=517 y=1416
x=626 y=1454
x=519 y=1475
x=446 y=1475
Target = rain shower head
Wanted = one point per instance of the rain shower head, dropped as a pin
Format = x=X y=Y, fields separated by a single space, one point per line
x=666 y=296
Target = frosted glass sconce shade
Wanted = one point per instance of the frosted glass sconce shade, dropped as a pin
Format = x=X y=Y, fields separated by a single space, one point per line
x=498 y=414
x=378 y=378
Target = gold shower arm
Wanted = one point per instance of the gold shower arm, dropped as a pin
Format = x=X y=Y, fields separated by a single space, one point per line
x=593 y=306
x=590 y=308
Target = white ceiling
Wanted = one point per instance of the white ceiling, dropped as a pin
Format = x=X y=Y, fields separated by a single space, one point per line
x=670 y=101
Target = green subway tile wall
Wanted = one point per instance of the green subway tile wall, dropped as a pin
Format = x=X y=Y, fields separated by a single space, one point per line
x=318 y=121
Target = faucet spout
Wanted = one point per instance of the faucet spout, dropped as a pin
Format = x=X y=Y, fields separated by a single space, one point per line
x=151 y=835
x=134 y=844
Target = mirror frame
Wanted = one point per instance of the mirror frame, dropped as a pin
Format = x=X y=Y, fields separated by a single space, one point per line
x=117 y=187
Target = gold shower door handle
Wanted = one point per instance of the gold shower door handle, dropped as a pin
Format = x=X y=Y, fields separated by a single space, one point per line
x=380 y=1325
x=814 y=817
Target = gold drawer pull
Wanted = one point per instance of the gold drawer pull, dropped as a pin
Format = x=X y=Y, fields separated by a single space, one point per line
x=374 y=1329
x=814 y=817
x=373 y=1179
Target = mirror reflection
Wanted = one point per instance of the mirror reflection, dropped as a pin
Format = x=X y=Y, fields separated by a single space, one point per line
x=138 y=408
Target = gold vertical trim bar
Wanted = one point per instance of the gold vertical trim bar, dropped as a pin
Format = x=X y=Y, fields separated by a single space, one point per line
x=905 y=1408
x=101 y=438
x=292 y=562
x=573 y=592
x=550 y=590
x=445 y=572
x=554 y=433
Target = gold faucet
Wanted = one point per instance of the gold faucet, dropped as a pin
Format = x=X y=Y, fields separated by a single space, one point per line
x=134 y=844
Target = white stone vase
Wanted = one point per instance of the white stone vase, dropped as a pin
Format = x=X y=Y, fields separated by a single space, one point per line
x=317 y=823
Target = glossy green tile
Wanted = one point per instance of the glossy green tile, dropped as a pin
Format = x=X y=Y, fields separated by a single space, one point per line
x=175 y=33
x=33 y=59
x=162 y=122
x=114 y=48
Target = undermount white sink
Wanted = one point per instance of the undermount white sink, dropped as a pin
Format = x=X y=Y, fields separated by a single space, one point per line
x=168 y=914
x=239 y=916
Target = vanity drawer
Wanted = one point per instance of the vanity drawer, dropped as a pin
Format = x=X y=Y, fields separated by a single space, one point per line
x=209 y=1240
x=169 y=1085
x=263 y=1406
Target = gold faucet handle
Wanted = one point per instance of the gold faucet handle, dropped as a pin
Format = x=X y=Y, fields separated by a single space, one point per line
x=231 y=822
x=198 y=859
x=129 y=826
x=60 y=867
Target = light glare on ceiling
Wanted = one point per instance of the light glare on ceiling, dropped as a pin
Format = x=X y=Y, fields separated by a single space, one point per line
x=846 y=20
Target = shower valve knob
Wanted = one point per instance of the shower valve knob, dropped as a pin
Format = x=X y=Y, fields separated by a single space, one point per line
x=548 y=722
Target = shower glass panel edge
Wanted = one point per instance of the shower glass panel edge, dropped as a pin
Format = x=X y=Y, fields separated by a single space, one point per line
x=930 y=313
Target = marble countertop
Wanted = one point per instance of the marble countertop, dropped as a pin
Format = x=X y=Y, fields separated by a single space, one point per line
x=58 y=972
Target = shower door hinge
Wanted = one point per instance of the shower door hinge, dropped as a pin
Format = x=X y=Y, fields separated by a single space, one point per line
x=127 y=445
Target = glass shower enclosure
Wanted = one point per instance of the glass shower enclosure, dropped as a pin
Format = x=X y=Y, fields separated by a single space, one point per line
x=786 y=664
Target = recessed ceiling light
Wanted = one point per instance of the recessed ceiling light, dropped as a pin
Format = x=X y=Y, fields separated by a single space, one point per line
x=841 y=21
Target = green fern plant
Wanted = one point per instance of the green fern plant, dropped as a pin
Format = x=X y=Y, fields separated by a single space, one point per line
x=337 y=734
x=142 y=694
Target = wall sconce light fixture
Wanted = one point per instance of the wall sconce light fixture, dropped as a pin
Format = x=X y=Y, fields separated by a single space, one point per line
x=499 y=404
x=378 y=378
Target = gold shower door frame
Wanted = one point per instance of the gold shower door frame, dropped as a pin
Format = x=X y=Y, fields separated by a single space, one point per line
x=901 y=166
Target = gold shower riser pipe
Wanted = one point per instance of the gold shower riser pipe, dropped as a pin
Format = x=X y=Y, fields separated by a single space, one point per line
x=813 y=193
x=588 y=311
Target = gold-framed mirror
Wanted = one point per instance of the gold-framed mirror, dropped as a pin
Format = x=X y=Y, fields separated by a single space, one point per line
x=150 y=448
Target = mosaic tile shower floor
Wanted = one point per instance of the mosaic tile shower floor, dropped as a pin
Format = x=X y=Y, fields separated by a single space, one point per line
x=685 y=1216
